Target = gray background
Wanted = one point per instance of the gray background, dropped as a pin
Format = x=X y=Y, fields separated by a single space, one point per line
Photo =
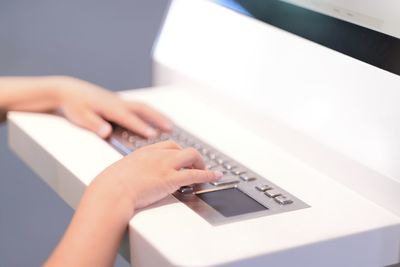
x=104 y=41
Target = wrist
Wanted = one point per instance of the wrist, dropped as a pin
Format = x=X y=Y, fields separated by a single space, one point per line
x=56 y=88
x=113 y=198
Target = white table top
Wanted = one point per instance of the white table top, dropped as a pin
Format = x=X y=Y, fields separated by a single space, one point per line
x=341 y=228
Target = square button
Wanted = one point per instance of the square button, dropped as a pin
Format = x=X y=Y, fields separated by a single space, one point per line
x=247 y=178
x=272 y=193
x=283 y=200
x=262 y=188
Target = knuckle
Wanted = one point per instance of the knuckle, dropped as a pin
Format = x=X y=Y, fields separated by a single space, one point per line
x=171 y=143
x=140 y=106
x=192 y=152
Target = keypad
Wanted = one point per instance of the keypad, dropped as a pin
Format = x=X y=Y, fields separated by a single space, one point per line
x=234 y=173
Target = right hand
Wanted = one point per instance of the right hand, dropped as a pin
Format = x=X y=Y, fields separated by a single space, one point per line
x=152 y=172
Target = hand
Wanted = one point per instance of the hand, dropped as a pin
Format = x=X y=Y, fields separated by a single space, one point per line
x=152 y=172
x=85 y=104
x=89 y=106
x=106 y=207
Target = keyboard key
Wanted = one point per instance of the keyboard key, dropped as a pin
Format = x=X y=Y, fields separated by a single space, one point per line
x=272 y=193
x=186 y=190
x=140 y=143
x=219 y=160
x=262 y=188
x=211 y=165
x=197 y=146
x=211 y=155
x=125 y=134
x=238 y=171
x=204 y=151
x=164 y=137
x=228 y=166
x=225 y=181
x=283 y=200
x=247 y=178
x=190 y=142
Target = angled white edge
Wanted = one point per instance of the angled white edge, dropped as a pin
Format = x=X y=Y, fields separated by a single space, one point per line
x=337 y=230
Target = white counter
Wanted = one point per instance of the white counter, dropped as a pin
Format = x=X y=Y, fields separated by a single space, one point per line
x=341 y=228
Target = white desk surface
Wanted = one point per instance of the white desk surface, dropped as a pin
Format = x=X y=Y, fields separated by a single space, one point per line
x=341 y=228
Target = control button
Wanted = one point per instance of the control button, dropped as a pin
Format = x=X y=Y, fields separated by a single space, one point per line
x=140 y=143
x=272 y=193
x=219 y=160
x=197 y=146
x=175 y=135
x=152 y=140
x=211 y=155
x=186 y=190
x=225 y=181
x=247 y=178
x=164 y=137
x=228 y=166
x=182 y=138
x=204 y=151
x=238 y=171
x=190 y=142
x=283 y=200
x=125 y=134
x=263 y=188
x=210 y=165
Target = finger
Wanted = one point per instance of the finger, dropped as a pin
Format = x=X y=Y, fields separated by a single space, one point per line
x=86 y=118
x=131 y=122
x=169 y=144
x=192 y=176
x=189 y=158
x=151 y=115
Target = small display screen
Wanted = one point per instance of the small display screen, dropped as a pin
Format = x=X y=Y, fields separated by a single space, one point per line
x=231 y=202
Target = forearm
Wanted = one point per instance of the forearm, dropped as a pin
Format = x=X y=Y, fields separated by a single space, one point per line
x=29 y=93
x=96 y=230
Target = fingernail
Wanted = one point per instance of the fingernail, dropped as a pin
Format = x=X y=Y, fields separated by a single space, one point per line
x=104 y=130
x=151 y=132
x=218 y=174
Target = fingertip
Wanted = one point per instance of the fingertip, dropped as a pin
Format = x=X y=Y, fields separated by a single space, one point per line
x=150 y=132
x=104 y=130
x=218 y=175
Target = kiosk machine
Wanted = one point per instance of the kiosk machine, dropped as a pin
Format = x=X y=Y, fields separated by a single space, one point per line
x=295 y=101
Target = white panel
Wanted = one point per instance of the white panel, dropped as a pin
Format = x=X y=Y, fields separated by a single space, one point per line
x=342 y=104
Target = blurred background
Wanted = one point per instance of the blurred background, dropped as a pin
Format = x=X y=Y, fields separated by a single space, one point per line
x=107 y=42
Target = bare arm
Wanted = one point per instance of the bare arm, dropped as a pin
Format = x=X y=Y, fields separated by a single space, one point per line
x=83 y=103
x=100 y=221
x=29 y=93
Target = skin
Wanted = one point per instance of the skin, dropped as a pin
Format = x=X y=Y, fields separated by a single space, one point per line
x=109 y=202
x=100 y=221
x=83 y=103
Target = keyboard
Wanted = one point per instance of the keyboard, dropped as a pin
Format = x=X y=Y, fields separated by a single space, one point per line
x=246 y=193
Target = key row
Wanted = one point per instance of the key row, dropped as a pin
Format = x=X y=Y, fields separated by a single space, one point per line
x=275 y=194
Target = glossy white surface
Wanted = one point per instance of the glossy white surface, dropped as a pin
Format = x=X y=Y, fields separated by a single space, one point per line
x=344 y=112
x=338 y=229
x=340 y=101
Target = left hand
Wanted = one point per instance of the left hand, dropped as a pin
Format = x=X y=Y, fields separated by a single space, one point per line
x=91 y=106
